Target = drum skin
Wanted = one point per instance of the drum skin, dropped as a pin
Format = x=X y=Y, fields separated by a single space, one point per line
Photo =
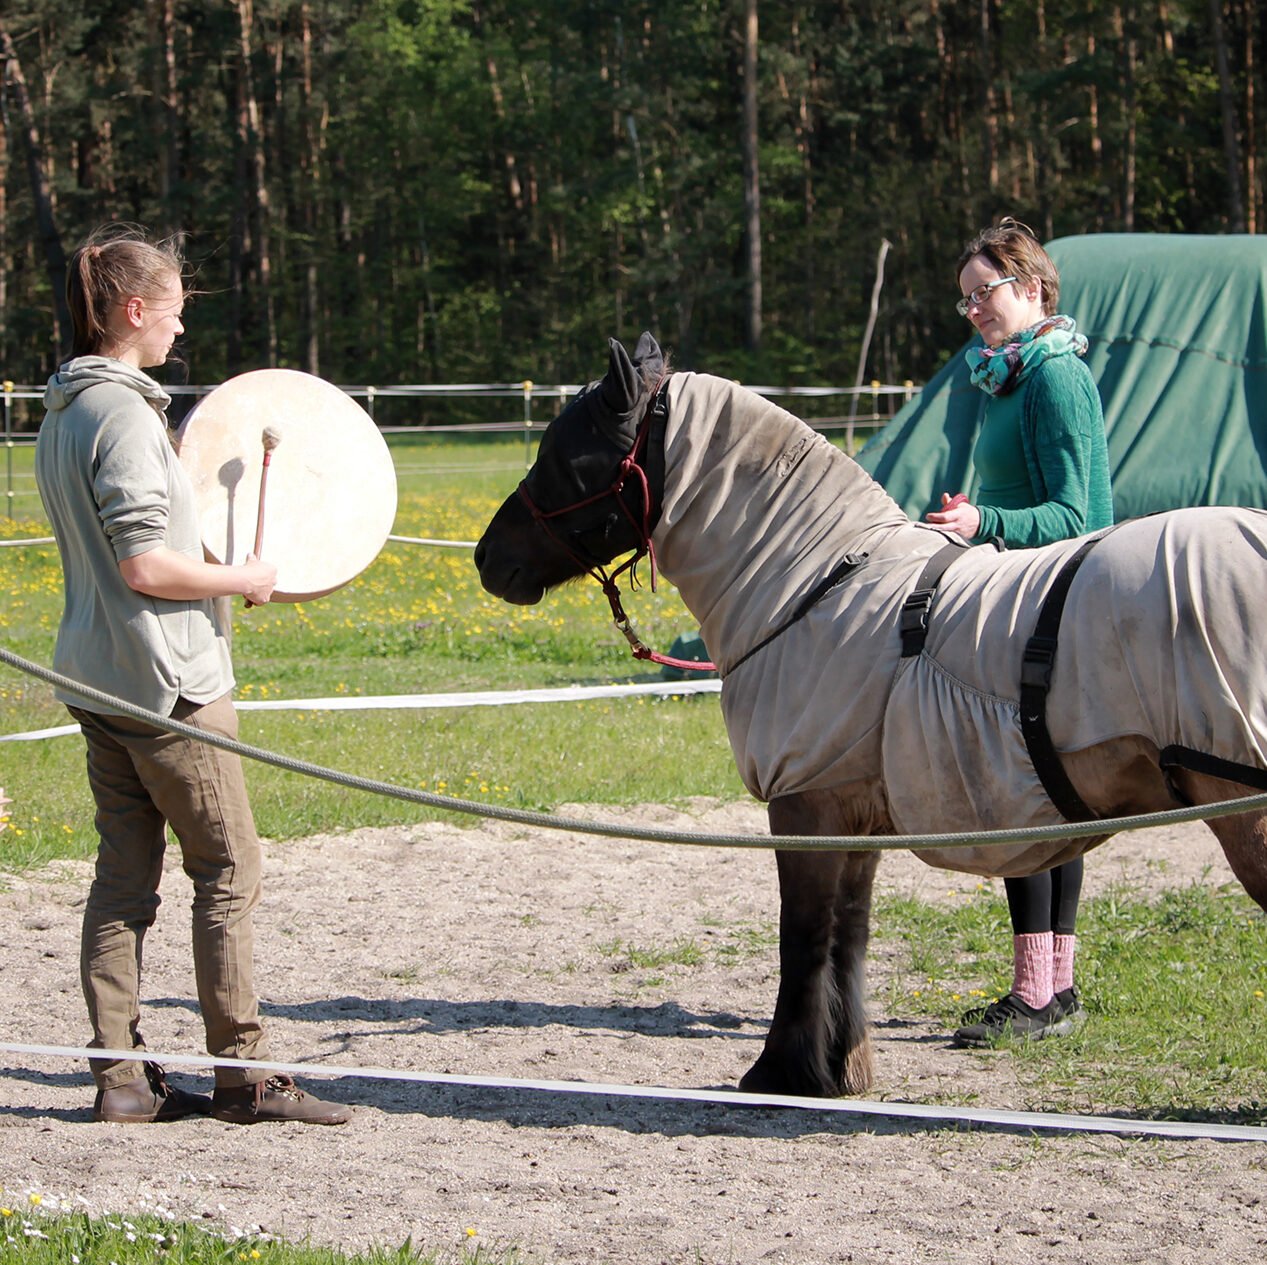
x=330 y=494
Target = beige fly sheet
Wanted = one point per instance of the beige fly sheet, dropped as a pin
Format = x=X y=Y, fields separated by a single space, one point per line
x=1157 y=639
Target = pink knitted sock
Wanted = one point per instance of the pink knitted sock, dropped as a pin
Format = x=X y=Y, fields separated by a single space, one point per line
x=1062 y=962
x=1031 y=968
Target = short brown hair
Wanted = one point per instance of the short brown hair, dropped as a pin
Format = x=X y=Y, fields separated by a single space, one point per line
x=114 y=262
x=1015 y=251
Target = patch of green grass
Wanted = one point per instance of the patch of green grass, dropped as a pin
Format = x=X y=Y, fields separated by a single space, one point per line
x=1175 y=989
x=748 y=940
x=682 y=952
x=30 y=1235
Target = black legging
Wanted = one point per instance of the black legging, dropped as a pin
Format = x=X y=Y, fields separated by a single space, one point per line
x=1046 y=901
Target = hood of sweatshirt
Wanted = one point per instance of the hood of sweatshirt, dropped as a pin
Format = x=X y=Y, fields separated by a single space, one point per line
x=88 y=371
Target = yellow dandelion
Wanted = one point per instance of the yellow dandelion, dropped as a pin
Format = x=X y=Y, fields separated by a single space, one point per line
x=35 y=1199
x=471 y=1231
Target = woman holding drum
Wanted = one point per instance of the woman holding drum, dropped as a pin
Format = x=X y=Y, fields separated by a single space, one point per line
x=140 y=624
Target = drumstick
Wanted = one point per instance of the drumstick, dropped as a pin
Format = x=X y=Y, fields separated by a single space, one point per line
x=270 y=438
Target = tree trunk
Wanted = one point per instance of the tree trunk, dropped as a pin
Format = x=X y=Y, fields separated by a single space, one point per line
x=1231 y=147
x=1253 y=199
x=168 y=118
x=249 y=124
x=989 y=114
x=751 y=178
x=1124 y=28
x=4 y=223
x=310 y=185
x=41 y=195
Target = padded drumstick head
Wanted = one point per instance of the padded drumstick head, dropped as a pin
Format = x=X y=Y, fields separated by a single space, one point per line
x=270 y=438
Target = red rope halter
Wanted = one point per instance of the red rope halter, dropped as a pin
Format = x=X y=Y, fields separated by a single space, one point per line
x=628 y=468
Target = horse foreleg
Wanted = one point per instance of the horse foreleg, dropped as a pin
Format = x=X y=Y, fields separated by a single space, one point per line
x=819 y=1043
x=851 y=1057
x=1243 y=837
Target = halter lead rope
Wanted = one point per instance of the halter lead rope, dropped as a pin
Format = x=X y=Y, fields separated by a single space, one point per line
x=629 y=467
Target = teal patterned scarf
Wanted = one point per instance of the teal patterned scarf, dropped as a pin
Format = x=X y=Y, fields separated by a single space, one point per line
x=1000 y=370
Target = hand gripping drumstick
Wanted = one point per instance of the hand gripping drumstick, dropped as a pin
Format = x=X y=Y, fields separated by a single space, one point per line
x=270 y=438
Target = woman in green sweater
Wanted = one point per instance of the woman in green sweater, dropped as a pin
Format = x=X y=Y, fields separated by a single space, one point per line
x=1043 y=474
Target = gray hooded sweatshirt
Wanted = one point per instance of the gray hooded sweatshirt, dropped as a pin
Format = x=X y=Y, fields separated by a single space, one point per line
x=113 y=489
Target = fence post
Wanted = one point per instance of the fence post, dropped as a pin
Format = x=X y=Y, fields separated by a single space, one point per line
x=8 y=447
x=527 y=389
x=369 y=402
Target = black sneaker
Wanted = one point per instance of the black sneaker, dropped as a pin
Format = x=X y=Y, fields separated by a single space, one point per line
x=1070 y=1002
x=1011 y=1017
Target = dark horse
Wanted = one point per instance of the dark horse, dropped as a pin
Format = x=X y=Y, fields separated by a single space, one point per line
x=799 y=568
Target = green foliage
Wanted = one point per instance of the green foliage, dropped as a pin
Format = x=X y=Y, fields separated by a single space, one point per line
x=483 y=191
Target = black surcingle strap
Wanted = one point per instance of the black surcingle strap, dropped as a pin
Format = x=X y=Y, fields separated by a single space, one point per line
x=1036 y=669
x=1202 y=762
x=913 y=622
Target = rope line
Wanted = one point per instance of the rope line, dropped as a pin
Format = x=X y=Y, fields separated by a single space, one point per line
x=733 y=1098
x=619 y=830
x=472 y=698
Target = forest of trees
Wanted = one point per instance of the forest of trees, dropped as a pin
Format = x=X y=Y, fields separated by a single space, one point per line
x=392 y=191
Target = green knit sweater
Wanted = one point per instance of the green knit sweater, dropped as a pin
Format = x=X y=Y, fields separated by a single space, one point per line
x=1041 y=459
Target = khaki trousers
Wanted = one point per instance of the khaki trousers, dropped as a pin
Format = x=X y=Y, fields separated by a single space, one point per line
x=143 y=779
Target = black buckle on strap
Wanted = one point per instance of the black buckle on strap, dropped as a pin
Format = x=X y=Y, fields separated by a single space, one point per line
x=1037 y=663
x=913 y=622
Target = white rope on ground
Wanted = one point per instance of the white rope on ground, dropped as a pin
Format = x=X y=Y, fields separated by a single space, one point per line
x=648 y=834
x=474 y=698
x=1030 y=1120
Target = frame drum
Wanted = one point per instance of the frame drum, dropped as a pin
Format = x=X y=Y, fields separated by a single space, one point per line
x=330 y=495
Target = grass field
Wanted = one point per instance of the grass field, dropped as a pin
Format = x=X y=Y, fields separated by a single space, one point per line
x=416 y=621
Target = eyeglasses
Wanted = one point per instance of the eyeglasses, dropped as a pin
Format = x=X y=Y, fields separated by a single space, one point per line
x=979 y=295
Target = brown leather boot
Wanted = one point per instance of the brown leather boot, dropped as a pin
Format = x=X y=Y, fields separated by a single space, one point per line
x=277 y=1098
x=147 y=1099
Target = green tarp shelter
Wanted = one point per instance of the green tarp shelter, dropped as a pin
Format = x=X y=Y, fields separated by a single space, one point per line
x=1177 y=328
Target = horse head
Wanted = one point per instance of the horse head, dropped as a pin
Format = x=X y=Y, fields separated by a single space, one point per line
x=586 y=499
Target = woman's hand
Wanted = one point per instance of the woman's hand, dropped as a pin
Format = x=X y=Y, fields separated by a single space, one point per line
x=956 y=515
x=258 y=579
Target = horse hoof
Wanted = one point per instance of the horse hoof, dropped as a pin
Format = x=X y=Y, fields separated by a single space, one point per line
x=764 y=1078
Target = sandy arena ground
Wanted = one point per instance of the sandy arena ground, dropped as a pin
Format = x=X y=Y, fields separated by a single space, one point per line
x=490 y=951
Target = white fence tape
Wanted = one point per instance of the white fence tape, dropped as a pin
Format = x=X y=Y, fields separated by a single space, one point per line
x=427 y=540
x=1045 y=1120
